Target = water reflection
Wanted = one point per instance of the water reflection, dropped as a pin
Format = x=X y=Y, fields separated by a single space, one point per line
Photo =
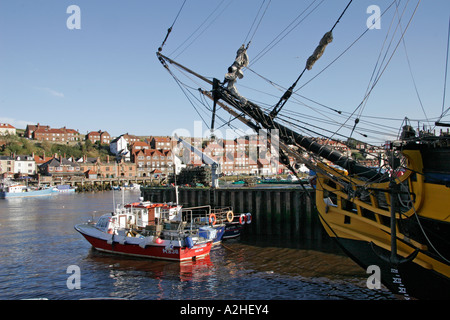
x=38 y=243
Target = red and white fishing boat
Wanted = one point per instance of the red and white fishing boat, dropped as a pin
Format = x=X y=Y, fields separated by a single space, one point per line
x=148 y=230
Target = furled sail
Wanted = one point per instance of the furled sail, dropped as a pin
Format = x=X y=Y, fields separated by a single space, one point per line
x=235 y=72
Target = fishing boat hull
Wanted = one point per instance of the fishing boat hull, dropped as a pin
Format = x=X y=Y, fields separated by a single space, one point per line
x=232 y=230
x=220 y=231
x=33 y=193
x=137 y=247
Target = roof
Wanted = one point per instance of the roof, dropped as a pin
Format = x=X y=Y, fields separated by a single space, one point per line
x=6 y=125
x=33 y=127
x=140 y=143
x=41 y=159
x=54 y=130
x=149 y=152
x=56 y=162
x=162 y=139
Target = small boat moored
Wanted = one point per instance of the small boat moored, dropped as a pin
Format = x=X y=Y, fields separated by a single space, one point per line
x=21 y=191
x=146 y=231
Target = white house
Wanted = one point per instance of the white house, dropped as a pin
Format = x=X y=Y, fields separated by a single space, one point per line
x=119 y=147
x=24 y=165
x=6 y=128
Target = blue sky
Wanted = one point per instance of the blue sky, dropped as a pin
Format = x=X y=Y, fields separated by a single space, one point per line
x=105 y=76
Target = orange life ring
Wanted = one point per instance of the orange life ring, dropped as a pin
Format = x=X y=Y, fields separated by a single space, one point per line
x=212 y=219
x=242 y=218
x=110 y=231
x=230 y=216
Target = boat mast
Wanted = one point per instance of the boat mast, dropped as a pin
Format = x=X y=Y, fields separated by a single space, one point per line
x=265 y=121
x=288 y=136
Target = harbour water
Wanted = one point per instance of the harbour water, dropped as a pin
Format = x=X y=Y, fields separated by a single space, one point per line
x=39 y=246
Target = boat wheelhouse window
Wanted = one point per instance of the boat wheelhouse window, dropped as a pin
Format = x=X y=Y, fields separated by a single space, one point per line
x=103 y=222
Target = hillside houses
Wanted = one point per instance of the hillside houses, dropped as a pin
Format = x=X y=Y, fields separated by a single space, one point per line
x=131 y=156
x=46 y=133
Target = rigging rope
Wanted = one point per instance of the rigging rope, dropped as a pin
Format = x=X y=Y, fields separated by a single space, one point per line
x=199 y=27
x=170 y=29
x=385 y=66
x=260 y=19
x=446 y=67
x=318 y=52
x=274 y=42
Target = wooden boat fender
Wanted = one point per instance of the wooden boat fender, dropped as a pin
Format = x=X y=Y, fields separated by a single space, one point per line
x=242 y=218
x=230 y=216
x=212 y=219
x=248 y=218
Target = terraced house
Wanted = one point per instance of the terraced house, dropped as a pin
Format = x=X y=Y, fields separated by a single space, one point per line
x=94 y=168
x=61 y=168
x=153 y=163
x=45 y=133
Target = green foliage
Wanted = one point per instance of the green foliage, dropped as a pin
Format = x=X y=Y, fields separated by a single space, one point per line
x=23 y=146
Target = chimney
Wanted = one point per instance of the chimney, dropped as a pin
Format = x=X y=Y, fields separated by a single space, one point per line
x=107 y=158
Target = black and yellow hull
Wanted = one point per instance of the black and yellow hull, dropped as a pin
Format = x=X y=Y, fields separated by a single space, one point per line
x=407 y=280
x=358 y=215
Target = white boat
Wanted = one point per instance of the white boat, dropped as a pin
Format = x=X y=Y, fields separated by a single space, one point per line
x=146 y=231
x=65 y=188
x=20 y=191
x=132 y=186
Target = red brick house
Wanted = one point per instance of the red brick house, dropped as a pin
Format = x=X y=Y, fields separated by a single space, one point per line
x=103 y=136
x=148 y=160
x=45 y=133
x=31 y=128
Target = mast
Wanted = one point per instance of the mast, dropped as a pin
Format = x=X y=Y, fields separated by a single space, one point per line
x=263 y=120
x=288 y=136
